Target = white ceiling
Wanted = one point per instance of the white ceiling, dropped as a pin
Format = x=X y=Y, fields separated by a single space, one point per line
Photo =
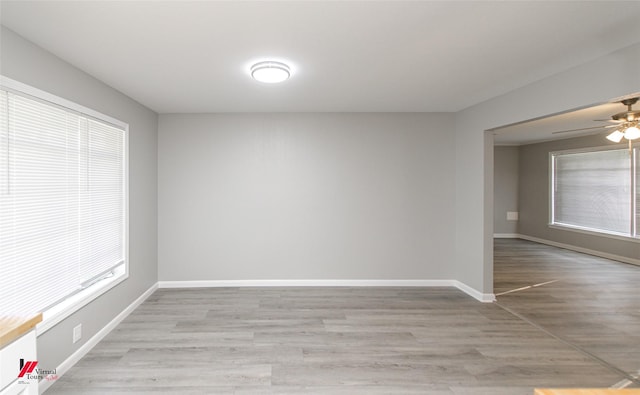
x=178 y=56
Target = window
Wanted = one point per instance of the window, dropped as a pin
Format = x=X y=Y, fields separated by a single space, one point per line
x=62 y=200
x=597 y=190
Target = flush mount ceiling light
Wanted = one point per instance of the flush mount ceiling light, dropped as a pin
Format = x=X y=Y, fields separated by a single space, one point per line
x=270 y=72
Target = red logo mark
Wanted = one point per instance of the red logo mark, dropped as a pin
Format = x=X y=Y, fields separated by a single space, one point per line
x=27 y=368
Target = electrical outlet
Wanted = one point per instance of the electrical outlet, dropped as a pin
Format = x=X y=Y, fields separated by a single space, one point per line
x=512 y=215
x=77 y=333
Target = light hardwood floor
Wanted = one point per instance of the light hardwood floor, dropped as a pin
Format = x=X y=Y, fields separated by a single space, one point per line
x=335 y=341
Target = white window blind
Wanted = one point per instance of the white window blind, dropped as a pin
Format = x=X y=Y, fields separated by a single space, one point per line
x=595 y=191
x=62 y=202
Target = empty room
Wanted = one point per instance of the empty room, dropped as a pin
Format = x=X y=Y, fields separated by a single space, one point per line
x=320 y=197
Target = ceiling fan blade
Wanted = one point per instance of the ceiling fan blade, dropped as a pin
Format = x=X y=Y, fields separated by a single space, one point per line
x=581 y=129
x=609 y=120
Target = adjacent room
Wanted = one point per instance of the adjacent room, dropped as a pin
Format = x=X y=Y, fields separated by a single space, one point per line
x=319 y=197
x=566 y=222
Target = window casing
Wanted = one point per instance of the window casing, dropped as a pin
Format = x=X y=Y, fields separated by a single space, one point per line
x=596 y=190
x=63 y=200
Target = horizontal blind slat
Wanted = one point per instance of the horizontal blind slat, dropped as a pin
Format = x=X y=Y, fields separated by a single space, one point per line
x=592 y=190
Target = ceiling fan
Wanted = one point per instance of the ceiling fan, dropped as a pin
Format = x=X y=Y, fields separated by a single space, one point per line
x=626 y=124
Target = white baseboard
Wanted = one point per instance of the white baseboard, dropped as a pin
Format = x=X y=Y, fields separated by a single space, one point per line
x=85 y=348
x=486 y=298
x=506 y=236
x=588 y=251
x=304 y=283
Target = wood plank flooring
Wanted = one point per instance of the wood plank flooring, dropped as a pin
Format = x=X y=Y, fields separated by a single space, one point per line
x=327 y=341
x=590 y=302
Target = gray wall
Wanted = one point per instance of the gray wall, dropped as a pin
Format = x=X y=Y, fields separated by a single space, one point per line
x=505 y=189
x=305 y=196
x=27 y=63
x=600 y=80
x=534 y=199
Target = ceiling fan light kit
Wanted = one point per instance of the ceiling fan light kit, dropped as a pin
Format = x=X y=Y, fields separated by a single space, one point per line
x=632 y=133
x=628 y=123
x=616 y=136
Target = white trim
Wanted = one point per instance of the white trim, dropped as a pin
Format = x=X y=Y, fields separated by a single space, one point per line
x=593 y=232
x=552 y=188
x=485 y=298
x=18 y=86
x=506 y=235
x=64 y=309
x=583 y=250
x=86 y=347
x=622 y=146
x=552 y=223
x=304 y=283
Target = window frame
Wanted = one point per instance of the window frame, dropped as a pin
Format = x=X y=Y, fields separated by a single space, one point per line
x=57 y=313
x=586 y=230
